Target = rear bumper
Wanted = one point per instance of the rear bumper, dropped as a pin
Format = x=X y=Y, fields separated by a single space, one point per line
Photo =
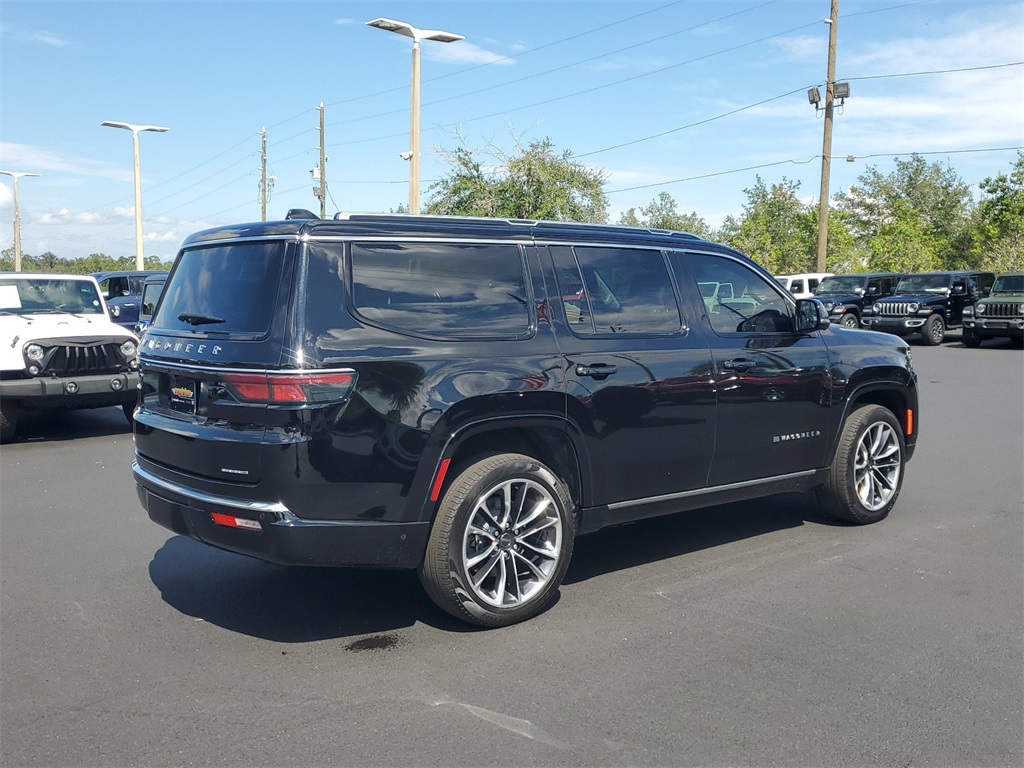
x=271 y=532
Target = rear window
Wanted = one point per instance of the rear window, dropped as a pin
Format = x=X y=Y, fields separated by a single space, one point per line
x=224 y=289
x=443 y=290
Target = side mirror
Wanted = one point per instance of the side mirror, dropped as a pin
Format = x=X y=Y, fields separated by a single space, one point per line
x=959 y=289
x=811 y=316
x=872 y=290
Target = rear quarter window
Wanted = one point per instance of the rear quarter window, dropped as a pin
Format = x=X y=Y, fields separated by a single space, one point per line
x=442 y=290
x=235 y=287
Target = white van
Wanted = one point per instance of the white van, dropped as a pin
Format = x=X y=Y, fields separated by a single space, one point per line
x=802 y=286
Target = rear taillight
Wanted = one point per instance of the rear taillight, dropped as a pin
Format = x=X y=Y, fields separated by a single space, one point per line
x=290 y=388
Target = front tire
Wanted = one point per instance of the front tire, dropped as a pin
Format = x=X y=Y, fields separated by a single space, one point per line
x=501 y=541
x=971 y=338
x=934 y=330
x=849 y=320
x=867 y=471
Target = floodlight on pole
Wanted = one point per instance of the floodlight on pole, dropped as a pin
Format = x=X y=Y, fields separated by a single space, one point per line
x=408 y=30
x=17 y=216
x=136 y=130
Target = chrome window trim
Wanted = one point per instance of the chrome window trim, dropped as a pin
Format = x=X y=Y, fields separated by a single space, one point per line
x=217 y=369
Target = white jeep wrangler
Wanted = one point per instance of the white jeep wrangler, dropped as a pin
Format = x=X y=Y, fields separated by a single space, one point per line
x=59 y=348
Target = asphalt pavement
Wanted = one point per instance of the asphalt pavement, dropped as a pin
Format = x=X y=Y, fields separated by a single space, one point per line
x=751 y=634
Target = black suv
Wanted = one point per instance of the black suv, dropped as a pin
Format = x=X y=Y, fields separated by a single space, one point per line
x=929 y=303
x=123 y=293
x=465 y=396
x=848 y=297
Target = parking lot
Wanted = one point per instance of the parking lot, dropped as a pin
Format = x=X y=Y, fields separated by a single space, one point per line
x=758 y=633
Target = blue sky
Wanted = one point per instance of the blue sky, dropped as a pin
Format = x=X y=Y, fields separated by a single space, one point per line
x=662 y=96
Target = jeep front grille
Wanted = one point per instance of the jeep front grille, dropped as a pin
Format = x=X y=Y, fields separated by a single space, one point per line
x=893 y=308
x=1000 y=309
x=77 y=359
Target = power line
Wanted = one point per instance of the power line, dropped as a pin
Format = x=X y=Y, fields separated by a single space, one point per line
x=804 y=162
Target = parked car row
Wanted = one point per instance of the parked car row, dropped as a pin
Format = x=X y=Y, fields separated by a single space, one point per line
x=983 y=304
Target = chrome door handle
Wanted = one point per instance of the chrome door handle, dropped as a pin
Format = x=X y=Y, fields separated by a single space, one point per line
x=596 y=371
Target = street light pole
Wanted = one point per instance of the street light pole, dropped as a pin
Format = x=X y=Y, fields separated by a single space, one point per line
x=402 y=28
x=17 y=216
x=136 y=130
x=826 y=148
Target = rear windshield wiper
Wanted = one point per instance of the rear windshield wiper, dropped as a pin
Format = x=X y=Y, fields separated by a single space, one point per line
x=194 y=319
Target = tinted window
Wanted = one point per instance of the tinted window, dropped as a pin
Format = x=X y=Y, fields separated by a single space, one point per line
x=749 y=303
x=616 y=290
x=150 y=295
x=226 y=289
x=447 y=290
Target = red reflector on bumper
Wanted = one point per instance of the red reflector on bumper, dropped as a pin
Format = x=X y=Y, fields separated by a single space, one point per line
x=235 y=522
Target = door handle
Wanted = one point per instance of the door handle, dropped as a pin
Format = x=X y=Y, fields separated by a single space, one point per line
x=740 y=365
x=596 y=371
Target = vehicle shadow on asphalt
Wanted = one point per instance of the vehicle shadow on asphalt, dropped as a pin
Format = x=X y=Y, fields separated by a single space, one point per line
x=290 y=604
x=299 y=605
x=57 y=425
x=662 y=538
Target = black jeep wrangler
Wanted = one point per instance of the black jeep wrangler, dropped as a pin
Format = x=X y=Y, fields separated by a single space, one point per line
x=1000 y=314
x=848 y=297
x=929 y=304
x=466 y=396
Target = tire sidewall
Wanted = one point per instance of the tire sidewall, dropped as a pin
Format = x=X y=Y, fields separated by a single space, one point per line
x=866 y=420
x=510 y=467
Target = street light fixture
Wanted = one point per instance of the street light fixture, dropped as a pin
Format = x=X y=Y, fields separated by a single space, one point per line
x=17 y=216
x=402 y=28
x=136 y=129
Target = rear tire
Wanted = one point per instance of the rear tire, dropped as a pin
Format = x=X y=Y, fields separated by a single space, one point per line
x=867 y=471
x=501 y=541
x=8 y=420
x=934 y=330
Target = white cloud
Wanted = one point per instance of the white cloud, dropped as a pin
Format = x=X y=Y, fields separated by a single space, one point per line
x=463 y=52
x=344 y=22
x=804 y=47
x=38 y=160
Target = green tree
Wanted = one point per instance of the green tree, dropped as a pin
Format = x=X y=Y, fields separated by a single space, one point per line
x=661 y=213
x=534 y=182
x=1001 y=220
x=923 y=207
x=776 y=229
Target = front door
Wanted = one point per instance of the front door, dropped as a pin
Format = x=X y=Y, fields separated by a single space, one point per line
x=772 y=384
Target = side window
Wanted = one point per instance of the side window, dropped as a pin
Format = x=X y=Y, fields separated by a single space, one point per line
x=616 y=290
x=753 y=305
x=812 y=284
x=797 y=286
x=875 y=283
x=449 y=290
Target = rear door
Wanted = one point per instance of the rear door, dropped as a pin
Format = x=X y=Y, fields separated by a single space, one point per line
x=638 y=377
x=772 y=385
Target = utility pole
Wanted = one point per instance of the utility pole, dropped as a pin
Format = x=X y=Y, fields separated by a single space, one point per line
x=263 y=174
x=17 y=216
x=826 y=148
x=321 y=190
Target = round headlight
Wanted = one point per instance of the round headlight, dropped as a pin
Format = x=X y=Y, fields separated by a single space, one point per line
x=979 y=309
x=829 y=305
x=115 y=311
x=914 y=306
x=34 y=352
x=874 y=309
x=128 y=348
x=1020 y=309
